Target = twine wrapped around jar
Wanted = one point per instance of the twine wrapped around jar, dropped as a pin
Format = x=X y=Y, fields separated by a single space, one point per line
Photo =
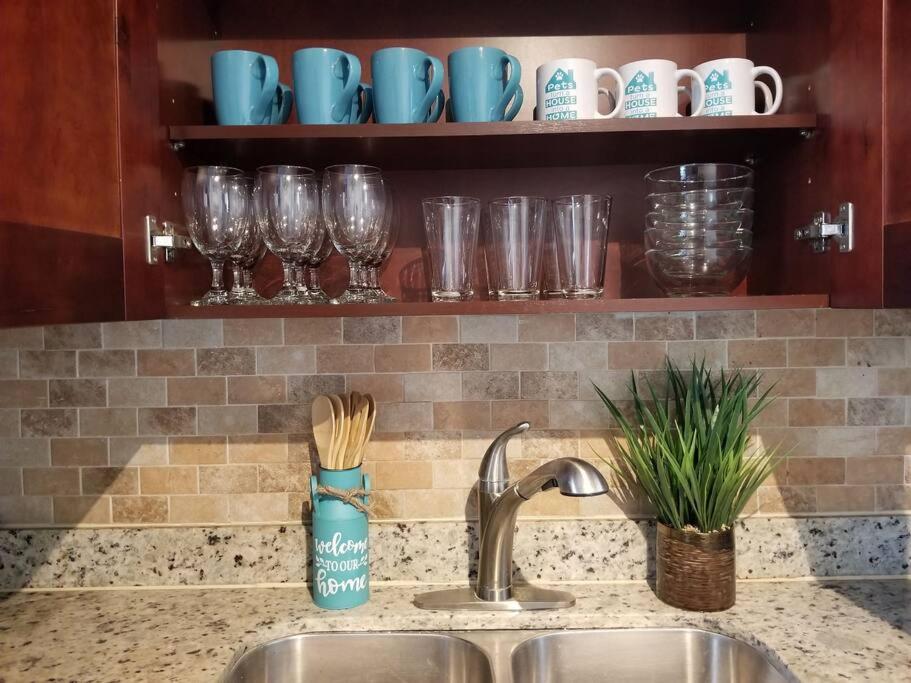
x=696 y=571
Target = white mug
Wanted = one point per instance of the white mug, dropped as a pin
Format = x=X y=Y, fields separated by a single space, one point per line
x=568 y=89
x=651 y=89
x=730 y=87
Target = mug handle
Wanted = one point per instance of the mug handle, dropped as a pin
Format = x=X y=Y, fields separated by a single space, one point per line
x=433 y=96
x=284 y=110
x=343 y=105
x=769 y=71
x=621 y=86
x=262 y=110
x=512 y=89
x=766 y=94
x=697 y=79
x=366 y=104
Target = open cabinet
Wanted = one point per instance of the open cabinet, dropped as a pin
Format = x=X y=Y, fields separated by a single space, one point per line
x=116 y=100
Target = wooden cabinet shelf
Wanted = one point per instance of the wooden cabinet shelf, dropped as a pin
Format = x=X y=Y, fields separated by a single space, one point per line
x=507 y=307
x=481 y=145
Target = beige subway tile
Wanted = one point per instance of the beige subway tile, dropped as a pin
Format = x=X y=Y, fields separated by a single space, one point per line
x=26 y=510
x=108 y=363
x=893 y=441
x=372 y=330
x=883 y=351
x=197 y=450
x=505 y=414
x=548 y=327
x=107 y=421
x=82 y=336
x=430 y=329
x=284 y=360
x=549 y=385
x=875 y=470
x=790 y=499
x=302 y=448
x=636 y=355
x=663 y=326
x=578 y=356
x=284 y=419
x=551 y=504
x=683 y=353
x=142 y=391
x=343 y=359
x=166 y=362
x=82 y=510
x=143 y=450
x=258 y=507
x=10 y=481
x=460 y=356
x=191 y=333
x=893 y=498
x=439 y=386
x=313 y=330
x=809 y=353
x=192 y=391
x=604 y=326
x=167 y=421
x=81 y=393
x=775 y=414
x=811 y=471
x=16 y=393
x=389 y=446
x=140 y=334
x=845 y=499
x=435 y=504
x=47 y=364
x=876 y=411
x=845 y=382
x=579 y=415
x=168 y=480
x=460 y=415
x=428 y=445
x=217 y=420
x=843 y=322
x=299 y=507
x=256 y=448
x=404 y=417
x=290 y=477
x=786 y=323
x=757 y=353
x=846 y=440
x=538 y=444
x=893 y=323
x=304 y=388
x=725 y=325
x=112 y=481
x=38 y=422
x=488 y=328
x=9 y=423
x=402 y=358
x=199 y=509
x=227 y=361
x=252 y=332
x=227 y=479
x=485 y=386
x=258 y=389
x=816 y=412
x=789 y=381
x=22 y=338
x=522 y=356
x=139 y=509
x=50 y=481
x=9 y=363
x=457 y=474
x=893 y=381
x=28 y=452
x=384 y=388
x=68 y=452
x=387 y=504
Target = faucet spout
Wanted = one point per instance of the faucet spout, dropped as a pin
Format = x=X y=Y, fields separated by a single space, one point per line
x=572 y=476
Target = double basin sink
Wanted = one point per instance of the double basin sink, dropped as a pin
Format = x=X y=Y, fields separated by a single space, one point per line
x=615 y=655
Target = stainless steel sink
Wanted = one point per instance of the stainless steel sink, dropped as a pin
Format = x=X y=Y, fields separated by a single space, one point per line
x=363 y=657
x=615 y=655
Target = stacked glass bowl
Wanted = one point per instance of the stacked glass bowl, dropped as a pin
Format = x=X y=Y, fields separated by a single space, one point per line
x=699 y=228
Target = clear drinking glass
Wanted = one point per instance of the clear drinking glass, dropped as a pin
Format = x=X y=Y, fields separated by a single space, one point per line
x=517 y=236
x=374 y=292
x=550 y=272
x=451 y=225
x=354 y=208
x=286 y=199
x=216 y=204
x=246 y=253
x=314 y=257
x=581 y=222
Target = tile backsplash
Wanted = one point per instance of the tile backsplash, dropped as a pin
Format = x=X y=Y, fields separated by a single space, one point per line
x=207 y=421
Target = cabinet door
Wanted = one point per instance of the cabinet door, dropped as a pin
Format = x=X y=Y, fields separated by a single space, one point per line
x=60 y=238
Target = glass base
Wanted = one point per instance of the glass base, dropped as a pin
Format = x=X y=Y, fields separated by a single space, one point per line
x=376 y=295
x=552 y=294
x=446 y=296
x=214 y=297
x=582 y=293
x=504 y=295
x=288 y=295
x=246 y=296
x=352 y=295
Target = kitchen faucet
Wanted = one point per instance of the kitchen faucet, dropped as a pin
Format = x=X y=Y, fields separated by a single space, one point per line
x=498 y=505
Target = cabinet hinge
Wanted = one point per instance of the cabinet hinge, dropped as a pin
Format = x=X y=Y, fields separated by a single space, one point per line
x=825 y=228
x=163 y=239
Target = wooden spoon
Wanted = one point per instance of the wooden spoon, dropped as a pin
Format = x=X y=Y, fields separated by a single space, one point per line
x=323 y=429
x=371 y=420
x=338 y=409
x=354 y=434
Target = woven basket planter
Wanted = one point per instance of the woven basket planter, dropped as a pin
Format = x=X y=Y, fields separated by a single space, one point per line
x=696 y=571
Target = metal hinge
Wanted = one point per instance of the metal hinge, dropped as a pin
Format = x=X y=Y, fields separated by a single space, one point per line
x=163 y=239
x=824 y=228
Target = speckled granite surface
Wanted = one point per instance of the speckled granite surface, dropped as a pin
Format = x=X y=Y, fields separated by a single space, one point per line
x=851 y=631
x=546 y=550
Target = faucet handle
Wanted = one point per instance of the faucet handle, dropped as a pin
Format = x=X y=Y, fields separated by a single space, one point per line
x=493 y=468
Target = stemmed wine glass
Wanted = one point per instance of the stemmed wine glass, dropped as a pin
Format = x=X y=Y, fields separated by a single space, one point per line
x=286 y=200
x=248 y=253
x=374 y=291
x=216 y=203
x=354 y=208
x=312 y=259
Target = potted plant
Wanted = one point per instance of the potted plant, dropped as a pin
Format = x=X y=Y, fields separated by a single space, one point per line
x=690 y=454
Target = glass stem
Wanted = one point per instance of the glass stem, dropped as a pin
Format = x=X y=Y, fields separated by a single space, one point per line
x=313 y=279
x=288 y=273
x=237 y=277
x=248 y=278
x=373 y=277
x=218 y=275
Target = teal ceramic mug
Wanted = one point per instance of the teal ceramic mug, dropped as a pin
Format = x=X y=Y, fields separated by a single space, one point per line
x=482 y=83
x=243 y=85
x=281 y=104
x=407 y=86
x=361 y=105
x=325 y=81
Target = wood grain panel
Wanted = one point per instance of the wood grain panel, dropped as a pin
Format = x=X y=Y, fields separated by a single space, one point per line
x=897 y=114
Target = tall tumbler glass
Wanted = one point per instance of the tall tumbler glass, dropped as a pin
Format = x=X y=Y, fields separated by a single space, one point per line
x=581 y=222
x=451 y=225
x=517 y=236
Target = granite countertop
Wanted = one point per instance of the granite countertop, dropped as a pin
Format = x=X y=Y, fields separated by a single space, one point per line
x=846 y=630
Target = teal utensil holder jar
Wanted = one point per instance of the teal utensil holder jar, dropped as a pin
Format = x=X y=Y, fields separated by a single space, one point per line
x=341 y=570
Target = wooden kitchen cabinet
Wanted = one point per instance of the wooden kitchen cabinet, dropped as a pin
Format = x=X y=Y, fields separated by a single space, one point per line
x=113 y=100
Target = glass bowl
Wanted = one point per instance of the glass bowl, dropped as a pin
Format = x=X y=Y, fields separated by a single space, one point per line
x=738 y=197
x=698 y=177
x=742 y=219
x=656 y=238
x=698 y=272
